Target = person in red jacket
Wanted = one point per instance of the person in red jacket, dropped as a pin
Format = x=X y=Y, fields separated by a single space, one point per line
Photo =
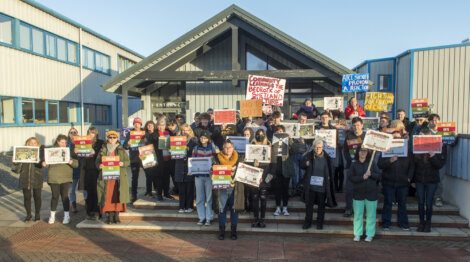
x=354 y=109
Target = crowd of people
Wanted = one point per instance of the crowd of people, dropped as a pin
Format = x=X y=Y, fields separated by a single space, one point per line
x=305 y=170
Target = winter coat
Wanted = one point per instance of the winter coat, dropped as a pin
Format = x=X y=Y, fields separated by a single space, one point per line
x=181 y=165
x=349 y=111
x=286 y=162
x=31 y=175
x=396 y=174
x=308 y=164
x=364 y=189
x=62 y=173
x=310 y=111
x=351 y=144
x=88 y=164
x=134 y=152
x=426 y=169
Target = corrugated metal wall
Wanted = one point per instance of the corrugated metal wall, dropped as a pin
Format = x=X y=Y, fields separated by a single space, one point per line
x=443 y=76
x=457 y=162
x=402 y=89
x=380 y=68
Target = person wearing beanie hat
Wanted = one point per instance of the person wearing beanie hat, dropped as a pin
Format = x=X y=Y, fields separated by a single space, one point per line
x=136 y=162
x=137 y=120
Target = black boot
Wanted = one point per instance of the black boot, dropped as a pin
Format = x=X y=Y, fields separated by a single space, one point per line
x=261 y=223
x=255 y=223
x=108 y=217
x=233 y=234
x=37 y=217
x=420 y=227
x=74 y=207
x=221 y=232
x=427 y=227
x=28 y=218
x=116 y=218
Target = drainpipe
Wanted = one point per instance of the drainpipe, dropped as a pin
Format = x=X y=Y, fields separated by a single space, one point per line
x=82 y=110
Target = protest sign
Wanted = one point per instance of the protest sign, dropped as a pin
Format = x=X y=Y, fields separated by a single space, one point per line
x=355 y=83
x=110 y=167
x=378 y=101
x=329 y=140
x=221 y=177
x=427 y=144
x=448 y=132
x=25 y=154
x=57 y=155
x=178 y=147
x=249 y=175
x=239 y=143
x=262 y=153
x=307 y=131
x=420 y=108
x=370 y=123
x=136 y=138
x=268 y=109
x=398 y=148
x=225 y=116
x=292 y=129
x=199 y=165
x=377 y=141
x=333 y=103
x=123 y=133
x=148 y=156
x=251 y=108
x=83 y=145
x=269 y=89
x=164 y=142
x=282 y=140
x=341 y=123
x=341 y=135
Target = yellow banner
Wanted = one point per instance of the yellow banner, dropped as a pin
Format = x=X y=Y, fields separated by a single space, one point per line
x=378 y=101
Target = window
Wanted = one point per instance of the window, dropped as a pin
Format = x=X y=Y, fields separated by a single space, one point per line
x=385 y=82
x=7 y=110
x=124 y=63
x=97 y=114
x=40 y=111
x=38 y=41
x=25 y=37
x=88 y=59
x=28 y=113
x=61 y=49
x=52 y=109
x=259 y=61
x=96 y=61
x=6 y=35
x=63 y=112
x=72 y=53
x=73 y=112
x=50 y=45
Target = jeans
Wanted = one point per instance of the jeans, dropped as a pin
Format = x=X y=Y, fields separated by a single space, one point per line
x=298 y=172
x=371 y=211
x=204 y=198
x=425 y=193
x=73 y=191
x=135 y=169
x=440 y=188
x=228 y=205
x=401 y=194
x=258 y=201
x=62 y=191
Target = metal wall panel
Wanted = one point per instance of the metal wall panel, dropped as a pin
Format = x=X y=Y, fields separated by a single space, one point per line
x=380 y=68
x=402 y=91
x=457 y=161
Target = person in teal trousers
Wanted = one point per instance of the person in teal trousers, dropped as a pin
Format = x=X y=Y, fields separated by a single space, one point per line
x=365 y=193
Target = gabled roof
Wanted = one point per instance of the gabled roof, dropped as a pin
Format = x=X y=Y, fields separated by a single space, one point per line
x=214 y=22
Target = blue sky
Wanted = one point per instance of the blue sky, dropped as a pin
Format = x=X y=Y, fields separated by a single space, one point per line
x=348 y=31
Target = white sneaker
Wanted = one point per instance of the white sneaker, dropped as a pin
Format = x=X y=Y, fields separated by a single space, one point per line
x=369 y=239
x=277 y=212
x=52 y=217
x=181 y=211
x=189 y=210
x=357 y=238
x=66 y=218
x=285 y=212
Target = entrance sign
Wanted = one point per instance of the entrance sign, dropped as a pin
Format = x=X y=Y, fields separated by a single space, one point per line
x=329 y=140
x=427 y=144
x=225 y=116
x=378 y=101
x=269 y=89
x=249 y=175
x=398 y=148
x=377 y=141
x=251 y=108
x=333 y=103
x=355 y=83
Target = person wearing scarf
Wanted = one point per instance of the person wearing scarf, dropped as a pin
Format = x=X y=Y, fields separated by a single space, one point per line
x=309 y=109
x=162 y=176
x=232 y=199
x=113 y=194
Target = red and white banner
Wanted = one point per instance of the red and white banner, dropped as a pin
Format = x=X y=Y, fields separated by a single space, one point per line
x=269 y=89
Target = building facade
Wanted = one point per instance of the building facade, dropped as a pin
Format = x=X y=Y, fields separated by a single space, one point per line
x=51 y=73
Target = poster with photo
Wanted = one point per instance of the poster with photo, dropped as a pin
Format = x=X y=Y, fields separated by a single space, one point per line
x=293 y=129
x=329 y=140
x=57 y=155
x=147 y=156
x=26 y=154
x=239 y=143
x=398 y=148
x=307 y=131
x=371 y=123
x=262 y=153
x=249 y=175
x=377 y=141
x=333 y=103
x=199 y=165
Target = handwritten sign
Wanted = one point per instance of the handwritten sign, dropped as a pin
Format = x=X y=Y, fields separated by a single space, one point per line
x=420 y=108
x=378 y=101
x=148 y=156
x=221 y=177
x=355 y=83
x=377 y=141
x=249 y=175
x=398 y=148
x=269 y=89
x=333 y=103
x=448 y=132
x=329 y=140
x=83 y=145
x=225 y=116
x=427 y=144
x=136 y=138
x=111 y=168
x=251 y=108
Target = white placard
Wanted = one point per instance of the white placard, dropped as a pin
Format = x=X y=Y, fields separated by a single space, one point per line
x=249 y=175
x=329 y=140
x=25 y=154
x=271 y=90
x=377 y=141
x=262 y=153
x=239 y=143
x=399 y=148
x=293 y=129
x=333 y=103
x=199 y=165
x=57 y=155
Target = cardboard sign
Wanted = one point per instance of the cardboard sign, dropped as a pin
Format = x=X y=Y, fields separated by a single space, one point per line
x=398 y=148
x=307 y=131
x=111 y=168
x=199 y=165
x=57 y=155
x=371 y=123
x=225 y=116
x=293 y=129
x=136 y=138
x=178 y=147
x=148 y=156
x=378 y=101
x=448 y=132
x=221 y=177
x=355 y=83
x=251 y=108
x=333 y=103
x=249 y=175
x=377 y=141
x=261 y=153
x=268 y=109
x=25 y=154
x=329 y=140
x=427 y=144
x=420 y=108
x=83 y=145
x=239 y=143
x=269 y=89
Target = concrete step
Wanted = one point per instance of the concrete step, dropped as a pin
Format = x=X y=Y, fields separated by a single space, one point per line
x=275 y=229
x=295 y=205
x=448 y=221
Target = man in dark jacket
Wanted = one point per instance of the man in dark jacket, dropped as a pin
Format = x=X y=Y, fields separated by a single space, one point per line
x=136 y=163
x=205 y=125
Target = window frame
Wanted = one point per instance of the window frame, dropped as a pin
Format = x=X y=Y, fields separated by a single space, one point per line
x=15 y=110
x=86 y=111
x=12 y=30
x=390 y=88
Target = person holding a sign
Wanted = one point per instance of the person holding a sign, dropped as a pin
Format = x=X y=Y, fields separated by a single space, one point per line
x=151 y=138
x=354 y=109
x=425 y=168
x=271 y=125
x=31 y=180
x=73 y=132
x=132 y=143
x=364 y=176
x=232 y=199
x=59 y=178
x=401 y=115
x=309 y=109
x=317 y=183
x=162 y=174
x=113 y=194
